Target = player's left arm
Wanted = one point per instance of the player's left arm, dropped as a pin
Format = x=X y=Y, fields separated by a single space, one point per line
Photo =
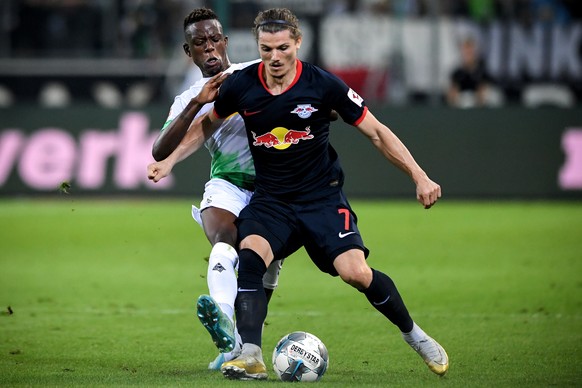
x=427 y=191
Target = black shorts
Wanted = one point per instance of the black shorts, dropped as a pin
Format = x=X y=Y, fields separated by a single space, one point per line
x=325 y=227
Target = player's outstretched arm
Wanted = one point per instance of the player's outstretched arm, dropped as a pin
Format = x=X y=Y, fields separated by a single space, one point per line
x=427 y=191
x=170 y=137
x=199 y=131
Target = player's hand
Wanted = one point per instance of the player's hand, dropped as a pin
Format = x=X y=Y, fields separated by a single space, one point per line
x=159 y=170
x=427 y=192
x=209 y=91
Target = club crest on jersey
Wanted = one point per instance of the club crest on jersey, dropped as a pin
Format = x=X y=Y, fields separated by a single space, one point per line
x=281 y=138
x=355 y=97
x=304 y=110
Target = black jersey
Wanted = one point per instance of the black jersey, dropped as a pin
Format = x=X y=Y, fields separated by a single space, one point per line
x=288 y=134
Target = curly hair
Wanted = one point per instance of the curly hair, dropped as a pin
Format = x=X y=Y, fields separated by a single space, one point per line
x=275 y=20
x=199 y=14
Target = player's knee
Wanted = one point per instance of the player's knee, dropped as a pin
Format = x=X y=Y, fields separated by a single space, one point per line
x=223 y=253
x=223 y=235
x=358 y=277
x=259 y=245
x=251 y=270
x=352 y=268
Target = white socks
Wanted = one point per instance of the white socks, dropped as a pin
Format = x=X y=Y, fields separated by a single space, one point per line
x=221 y=277
x=252 y=350
x=415 y=335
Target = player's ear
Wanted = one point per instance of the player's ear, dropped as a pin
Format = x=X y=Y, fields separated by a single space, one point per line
x=226 y=41
x=298 y=42
x=187 y=49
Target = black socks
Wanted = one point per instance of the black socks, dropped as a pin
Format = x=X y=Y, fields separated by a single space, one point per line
x=251 y=300
x=383 y=295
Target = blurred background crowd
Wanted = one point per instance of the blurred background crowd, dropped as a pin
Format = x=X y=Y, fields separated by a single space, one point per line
x=463 y=53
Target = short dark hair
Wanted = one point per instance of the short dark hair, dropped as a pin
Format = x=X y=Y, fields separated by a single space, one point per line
x=275 y=20
x=199 y=14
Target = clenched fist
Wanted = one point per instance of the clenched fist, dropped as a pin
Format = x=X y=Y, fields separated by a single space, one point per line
x=159 y=170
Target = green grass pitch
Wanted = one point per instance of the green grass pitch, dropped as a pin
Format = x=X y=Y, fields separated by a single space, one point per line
x=103 y=293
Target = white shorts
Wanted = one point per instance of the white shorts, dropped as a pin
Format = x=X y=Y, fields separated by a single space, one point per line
x=223 y=195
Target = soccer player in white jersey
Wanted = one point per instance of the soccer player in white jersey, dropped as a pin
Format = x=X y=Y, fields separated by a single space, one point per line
x=231 y=178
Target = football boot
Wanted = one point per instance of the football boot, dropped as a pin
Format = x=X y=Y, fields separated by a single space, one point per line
x=244 y=367
x=432 y=353
x=220 y=327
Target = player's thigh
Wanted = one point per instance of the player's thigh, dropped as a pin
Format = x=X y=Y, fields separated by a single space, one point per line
x=329 y=229
x=272 y=220
x=219 y=225
x=221 y=194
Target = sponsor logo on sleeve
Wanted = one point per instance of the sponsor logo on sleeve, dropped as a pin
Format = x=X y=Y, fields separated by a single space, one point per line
x=355 y=97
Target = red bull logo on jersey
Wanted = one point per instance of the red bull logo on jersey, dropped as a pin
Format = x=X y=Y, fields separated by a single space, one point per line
x=304 y=110
x=281 y=138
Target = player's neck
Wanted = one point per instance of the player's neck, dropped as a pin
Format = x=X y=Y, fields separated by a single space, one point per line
x=278 y=85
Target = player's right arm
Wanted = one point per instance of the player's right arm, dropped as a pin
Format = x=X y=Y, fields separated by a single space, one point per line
x=170 y=137
x=427 y=191
x=198 y=132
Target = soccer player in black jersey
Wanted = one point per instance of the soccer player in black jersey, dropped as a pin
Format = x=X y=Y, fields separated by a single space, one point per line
x=298 y=199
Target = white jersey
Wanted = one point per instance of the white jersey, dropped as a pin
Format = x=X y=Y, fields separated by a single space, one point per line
x=228 y=146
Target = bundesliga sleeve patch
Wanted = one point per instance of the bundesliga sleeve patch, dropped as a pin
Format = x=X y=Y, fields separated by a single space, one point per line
x=355 y=97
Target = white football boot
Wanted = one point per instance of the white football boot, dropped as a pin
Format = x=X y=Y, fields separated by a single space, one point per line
x=432 y=352
x=248 y=366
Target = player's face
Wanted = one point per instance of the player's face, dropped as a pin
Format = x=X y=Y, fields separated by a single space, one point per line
x=278 y=52
x=206 y=45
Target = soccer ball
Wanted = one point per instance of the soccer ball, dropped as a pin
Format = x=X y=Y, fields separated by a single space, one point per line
x=300 y=356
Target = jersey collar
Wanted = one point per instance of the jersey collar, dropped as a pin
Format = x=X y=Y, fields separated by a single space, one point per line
x=298 y=68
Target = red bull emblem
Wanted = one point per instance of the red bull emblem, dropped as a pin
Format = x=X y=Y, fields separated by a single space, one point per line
x=281 y=138
x=304 y=110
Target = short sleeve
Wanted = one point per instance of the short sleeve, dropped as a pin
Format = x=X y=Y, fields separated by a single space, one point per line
x=226 y=102
x=345 y=101
x=176 y=108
